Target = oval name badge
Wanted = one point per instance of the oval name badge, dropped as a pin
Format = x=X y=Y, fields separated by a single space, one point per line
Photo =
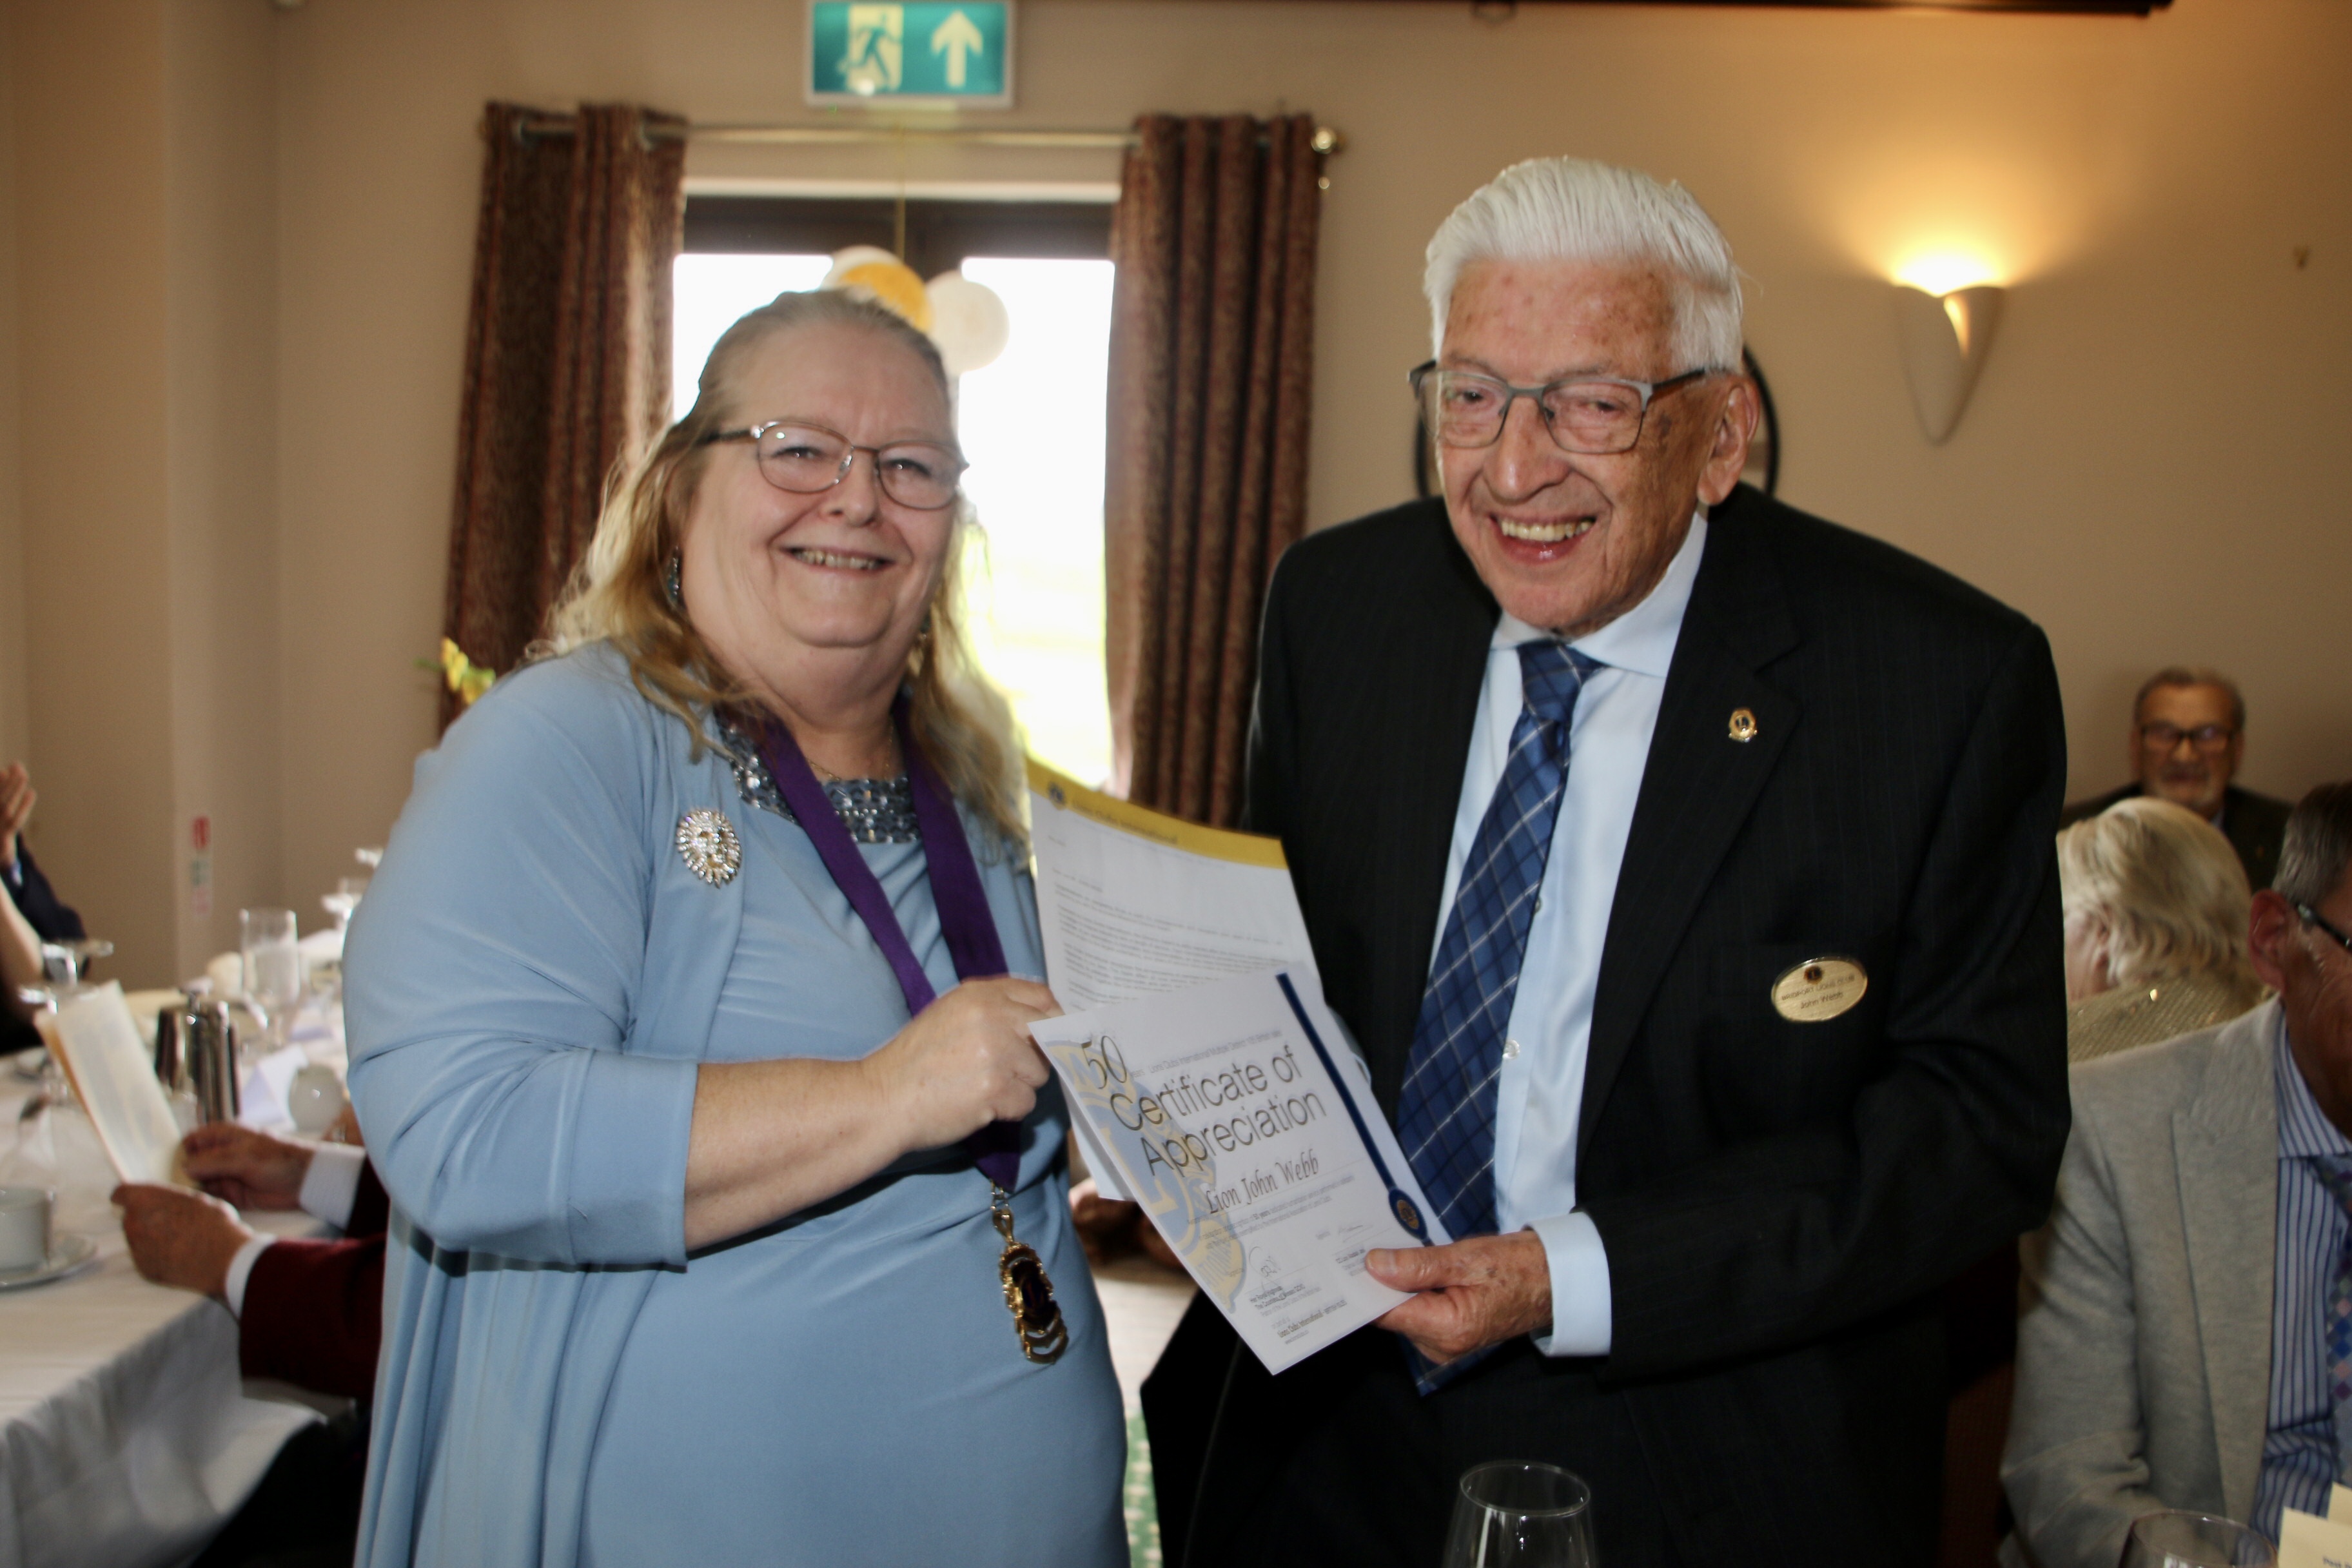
x=1819 y=989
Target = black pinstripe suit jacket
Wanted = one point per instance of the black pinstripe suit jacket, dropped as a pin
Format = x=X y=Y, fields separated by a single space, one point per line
x=1779 y=1201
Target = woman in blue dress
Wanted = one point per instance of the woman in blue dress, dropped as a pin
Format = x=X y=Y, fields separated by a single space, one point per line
x=716 y=1239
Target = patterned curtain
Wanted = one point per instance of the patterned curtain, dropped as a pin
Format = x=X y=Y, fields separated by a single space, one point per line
x=567 y=355
x=1212 y=326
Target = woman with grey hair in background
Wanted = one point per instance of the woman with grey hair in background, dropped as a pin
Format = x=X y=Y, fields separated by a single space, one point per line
x=2155 y=906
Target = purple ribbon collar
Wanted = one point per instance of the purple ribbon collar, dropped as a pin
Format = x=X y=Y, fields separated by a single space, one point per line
x=964 y=918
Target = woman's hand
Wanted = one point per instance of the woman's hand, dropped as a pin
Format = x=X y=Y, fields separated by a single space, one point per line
x=771 y=1138
x=966 y=1060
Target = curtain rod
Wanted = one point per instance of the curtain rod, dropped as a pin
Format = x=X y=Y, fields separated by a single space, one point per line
x=1325 y=138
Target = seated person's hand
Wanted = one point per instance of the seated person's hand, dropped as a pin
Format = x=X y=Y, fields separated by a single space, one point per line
x=16 y=798
x=251 y=1170
x=1112 y=1227
x=181 y=1238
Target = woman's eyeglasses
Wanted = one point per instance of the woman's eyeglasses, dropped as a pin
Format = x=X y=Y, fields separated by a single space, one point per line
x=806 y=459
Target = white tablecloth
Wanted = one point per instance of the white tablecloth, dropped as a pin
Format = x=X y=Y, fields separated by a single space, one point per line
x=127 y=1435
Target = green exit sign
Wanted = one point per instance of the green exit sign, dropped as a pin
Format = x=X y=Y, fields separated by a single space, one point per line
x=926 y=52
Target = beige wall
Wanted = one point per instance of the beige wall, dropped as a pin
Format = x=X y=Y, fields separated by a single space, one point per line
x=144 y=252
x=2145 y=186
x=93 y=407
x=221 y=462
x=14 y=717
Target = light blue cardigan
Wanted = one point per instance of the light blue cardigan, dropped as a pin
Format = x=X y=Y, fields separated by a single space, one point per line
x=532 y=983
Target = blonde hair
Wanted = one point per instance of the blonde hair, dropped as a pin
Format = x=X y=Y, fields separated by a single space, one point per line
x=620 y=594
x=2169 y=887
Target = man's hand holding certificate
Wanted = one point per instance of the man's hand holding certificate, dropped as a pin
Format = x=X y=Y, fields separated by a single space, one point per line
x=1232 y=1109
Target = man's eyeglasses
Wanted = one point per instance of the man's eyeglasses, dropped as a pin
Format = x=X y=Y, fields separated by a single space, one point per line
x=1590 y=415
x=2205 y=737
x=2312 y=917
x=806 y=459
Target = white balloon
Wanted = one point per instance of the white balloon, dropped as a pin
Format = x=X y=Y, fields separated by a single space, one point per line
x=969 y=322
x=856 y=256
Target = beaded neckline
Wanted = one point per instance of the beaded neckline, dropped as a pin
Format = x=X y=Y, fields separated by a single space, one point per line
x=875 y=811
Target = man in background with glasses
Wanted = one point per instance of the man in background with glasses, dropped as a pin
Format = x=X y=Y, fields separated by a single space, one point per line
x=2185 y=1338
x=2187 y=738
x=1683 y=866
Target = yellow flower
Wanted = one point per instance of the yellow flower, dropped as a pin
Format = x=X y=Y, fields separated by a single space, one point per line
x=466 y=678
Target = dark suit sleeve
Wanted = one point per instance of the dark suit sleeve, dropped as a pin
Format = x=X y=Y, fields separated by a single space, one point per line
x=1272 y=736
x=51 y=920
x=1949 y=1151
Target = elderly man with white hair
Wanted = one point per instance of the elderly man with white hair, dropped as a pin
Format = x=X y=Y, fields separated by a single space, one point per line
x=1683 y=866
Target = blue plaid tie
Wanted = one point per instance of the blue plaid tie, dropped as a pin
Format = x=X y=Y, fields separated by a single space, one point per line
x=1445 y=1112
x=2335 y=1174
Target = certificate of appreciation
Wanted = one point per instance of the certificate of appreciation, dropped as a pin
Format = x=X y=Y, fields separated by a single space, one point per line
x=1134 y=903
x=1237 y=1116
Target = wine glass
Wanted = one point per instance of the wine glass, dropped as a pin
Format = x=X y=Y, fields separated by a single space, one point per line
x=273 y=966
x=2178 y=1539
x=1513 y=1513
x=66 y=962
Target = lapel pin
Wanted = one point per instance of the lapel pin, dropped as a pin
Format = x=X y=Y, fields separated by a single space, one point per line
x=1743 y=725
x=706 y=843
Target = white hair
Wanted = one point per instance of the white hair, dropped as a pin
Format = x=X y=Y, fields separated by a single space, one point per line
x=2167 y=886
x=1571 y=209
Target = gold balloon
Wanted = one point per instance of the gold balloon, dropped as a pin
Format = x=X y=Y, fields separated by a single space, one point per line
x=894 y=285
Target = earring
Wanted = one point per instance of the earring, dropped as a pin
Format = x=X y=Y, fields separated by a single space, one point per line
x=670 y=579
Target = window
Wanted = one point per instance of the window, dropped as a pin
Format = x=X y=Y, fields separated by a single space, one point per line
x=1031 y=423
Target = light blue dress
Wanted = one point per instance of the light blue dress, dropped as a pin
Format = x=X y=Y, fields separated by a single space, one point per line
x=530 y=986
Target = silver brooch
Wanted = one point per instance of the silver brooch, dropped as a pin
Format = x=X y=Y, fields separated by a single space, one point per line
x=706 y=843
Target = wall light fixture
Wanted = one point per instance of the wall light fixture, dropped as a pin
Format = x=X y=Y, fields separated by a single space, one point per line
x=1944 y=339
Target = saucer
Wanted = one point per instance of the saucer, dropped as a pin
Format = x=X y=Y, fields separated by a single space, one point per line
x=68 y=1254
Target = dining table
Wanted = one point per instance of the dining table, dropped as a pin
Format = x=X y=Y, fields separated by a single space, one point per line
x=128 y=1436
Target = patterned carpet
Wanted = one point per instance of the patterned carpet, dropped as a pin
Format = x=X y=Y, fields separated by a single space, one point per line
x=1142 y=1302
x=1142 y=1508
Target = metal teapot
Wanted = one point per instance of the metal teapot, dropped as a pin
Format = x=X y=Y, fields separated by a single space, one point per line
x=195 y=1052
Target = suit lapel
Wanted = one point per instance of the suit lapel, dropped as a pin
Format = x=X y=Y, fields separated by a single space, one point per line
x=1697 y=786
x=2225 y=1148
x=1434 y=707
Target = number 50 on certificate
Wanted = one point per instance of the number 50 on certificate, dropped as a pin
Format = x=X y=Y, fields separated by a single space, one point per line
x=1253 y=1148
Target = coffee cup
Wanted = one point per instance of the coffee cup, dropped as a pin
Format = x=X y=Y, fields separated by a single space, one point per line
x=24 y=1229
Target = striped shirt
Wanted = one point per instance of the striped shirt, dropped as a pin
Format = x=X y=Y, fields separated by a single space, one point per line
x=2299 y=1459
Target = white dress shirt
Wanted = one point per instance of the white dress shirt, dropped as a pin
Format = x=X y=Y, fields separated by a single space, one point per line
x=330 y=1187
x=1541 y=1088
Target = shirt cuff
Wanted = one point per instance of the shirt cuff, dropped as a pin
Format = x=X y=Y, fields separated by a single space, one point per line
x=240 y=1270
x=1580 y=1318
x=332 y=1186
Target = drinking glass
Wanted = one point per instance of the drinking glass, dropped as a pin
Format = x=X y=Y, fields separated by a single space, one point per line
x=1515 y=1514
x=2177 y=1538
x=66 y=962
x=273 y=966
